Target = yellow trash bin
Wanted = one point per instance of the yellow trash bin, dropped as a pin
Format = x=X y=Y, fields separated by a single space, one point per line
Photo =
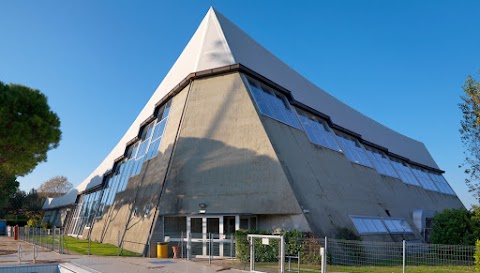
x=162 y=250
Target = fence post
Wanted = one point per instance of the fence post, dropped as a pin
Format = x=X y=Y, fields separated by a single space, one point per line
x=209 y=248
x=53 y=239
x=282 y=255
x=88 y=234
x=118 y=240
x=404 y=257
x=35 y=253
x=181 y=245
x=252 y=253
x=20 y=254
x=324 y=256
x=189 y=245
x=231 y=246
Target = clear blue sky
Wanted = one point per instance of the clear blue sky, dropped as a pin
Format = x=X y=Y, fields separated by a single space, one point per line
x=401 y=63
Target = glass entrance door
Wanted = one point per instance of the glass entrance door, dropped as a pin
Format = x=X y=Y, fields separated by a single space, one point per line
x=205 y=232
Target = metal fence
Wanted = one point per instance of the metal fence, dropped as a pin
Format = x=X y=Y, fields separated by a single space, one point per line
x=305 y=255
x=365 y=253
x=53 y=239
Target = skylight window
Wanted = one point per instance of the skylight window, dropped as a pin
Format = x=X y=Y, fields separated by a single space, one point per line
x=424 y=179
x=381 y=162
x=376 y=225
x=369 y=225
x=318 y=131
x=273 y=104
x=404 y=172
x=353 y=150
x=397 y=226
x=441 y=183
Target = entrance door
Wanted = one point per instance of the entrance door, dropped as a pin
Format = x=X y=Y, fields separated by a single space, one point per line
x=205 y=232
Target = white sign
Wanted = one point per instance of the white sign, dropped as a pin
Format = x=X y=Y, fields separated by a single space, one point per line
x=265 y=241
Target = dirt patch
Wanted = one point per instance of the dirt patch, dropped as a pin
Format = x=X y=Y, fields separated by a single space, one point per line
x=9 y=246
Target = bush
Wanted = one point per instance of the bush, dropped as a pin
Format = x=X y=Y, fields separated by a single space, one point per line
x=455 y=227
x=33 y=222
x=295 y=242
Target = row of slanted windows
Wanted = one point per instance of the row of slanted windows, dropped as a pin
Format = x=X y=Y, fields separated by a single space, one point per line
x=275 y=105
x=145 y=148
x=84 y=213
x=376 y=225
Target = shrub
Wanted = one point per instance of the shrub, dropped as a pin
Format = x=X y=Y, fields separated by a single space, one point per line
x=455 y=227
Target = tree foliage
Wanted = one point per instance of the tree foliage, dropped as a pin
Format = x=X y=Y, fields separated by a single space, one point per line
x=55 y=186
x=29 y=129
x=456 y=227
x=8 y=187
x=470 y=133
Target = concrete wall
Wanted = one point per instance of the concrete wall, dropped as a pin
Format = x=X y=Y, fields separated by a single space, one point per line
x=223 y=157
x=142 y=190
x=332 y=188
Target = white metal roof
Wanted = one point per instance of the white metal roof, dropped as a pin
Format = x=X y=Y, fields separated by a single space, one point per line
x=218 y=42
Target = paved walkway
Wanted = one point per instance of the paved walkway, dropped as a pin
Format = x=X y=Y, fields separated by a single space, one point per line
x=9 y=257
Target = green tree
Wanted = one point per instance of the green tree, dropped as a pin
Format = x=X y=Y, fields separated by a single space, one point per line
x=470 y=133
x=456 y=227
x=8 y=187
x=29 y=129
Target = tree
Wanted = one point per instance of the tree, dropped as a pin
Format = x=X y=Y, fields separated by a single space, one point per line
x=470 y=133
x=456 y=227
x=8 y=187
x=29 y=129
x=56 y=186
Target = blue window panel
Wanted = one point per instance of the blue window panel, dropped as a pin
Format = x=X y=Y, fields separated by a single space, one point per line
x=261 y=98
x=142 y=149
x=425 y=180
x=397 y=226
x=148 y=131
x=273 y=104
x=358 y=223
x=159 y=128
x=381 y=162
x=319 y=133
x=128 y=168
x=153 y=149
x=114 y=189
x=166 y=110
x=369 y=225
x=134 y=150
x=137 y=167
x=405 y=172
x=441 y=183
x=353 y=150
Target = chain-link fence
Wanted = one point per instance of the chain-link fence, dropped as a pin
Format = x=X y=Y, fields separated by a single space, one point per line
x=305 y=255
x=367 y=253
x=53 y=239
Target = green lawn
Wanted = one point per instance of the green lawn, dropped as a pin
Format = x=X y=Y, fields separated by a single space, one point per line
x=273 y=267
x=398 y=269
x=81 y=247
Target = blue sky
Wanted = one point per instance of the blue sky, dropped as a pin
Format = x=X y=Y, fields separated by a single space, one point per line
x=401 y=63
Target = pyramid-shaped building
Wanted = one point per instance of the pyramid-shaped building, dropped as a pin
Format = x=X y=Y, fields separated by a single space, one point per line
x=233 y=138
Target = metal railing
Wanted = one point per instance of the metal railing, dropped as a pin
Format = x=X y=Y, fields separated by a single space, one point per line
x=53 y=239
x=305 y=254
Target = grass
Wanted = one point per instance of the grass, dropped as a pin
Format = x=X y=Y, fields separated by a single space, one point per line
x=81 y=247
x=398 y=269
x=273 y=267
